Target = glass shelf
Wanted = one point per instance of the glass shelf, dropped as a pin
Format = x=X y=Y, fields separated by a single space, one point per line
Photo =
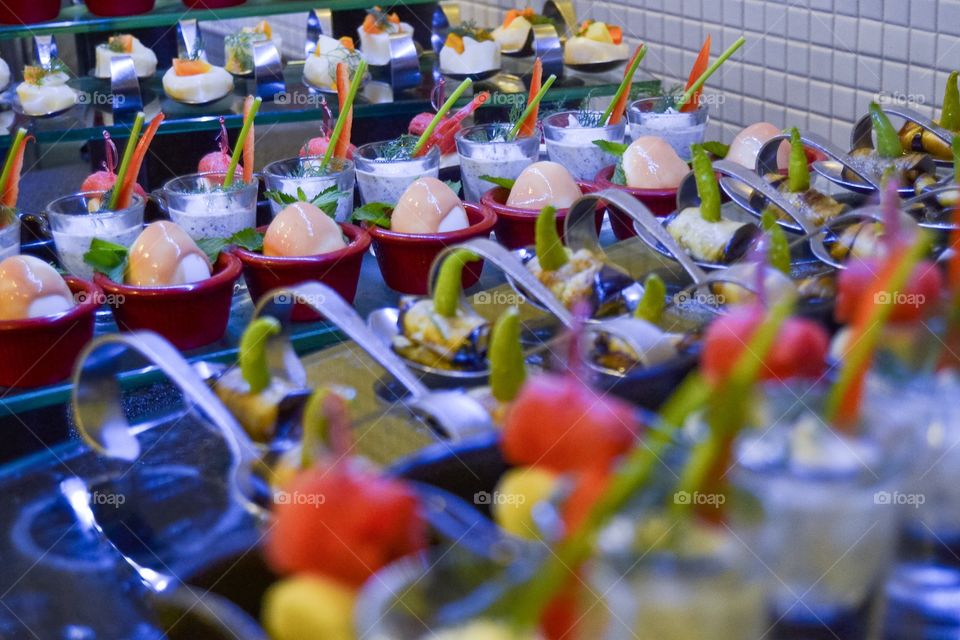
x=299 y=104
x=76 y=18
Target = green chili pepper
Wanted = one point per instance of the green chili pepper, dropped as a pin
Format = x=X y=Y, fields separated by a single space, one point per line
x=779 y=252
x=550 y=250
x=653 y=301
x=888 y=140
x=508 y=370
x=316 y=427
x=446 y=296
x=253 y=352
x=707 y=185
x=950 y=113
x=799 y=170
x=955 y=145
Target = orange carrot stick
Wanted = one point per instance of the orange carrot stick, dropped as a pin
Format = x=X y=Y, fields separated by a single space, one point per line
x=536 y=80
x=11 y=186
x=139 y=155
x=620 y=106
x=699 y=66
x=343 y=88
x=248 y=144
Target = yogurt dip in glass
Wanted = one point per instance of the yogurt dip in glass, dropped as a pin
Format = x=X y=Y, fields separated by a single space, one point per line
x=570 y=135
x=485 y=151
x=75 y=220
x=658 y=117
x=304 y=173
x=385 y=169
x=204 y=209
x=9 y=233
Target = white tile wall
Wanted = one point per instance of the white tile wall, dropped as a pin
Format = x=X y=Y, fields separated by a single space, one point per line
x=809 y=63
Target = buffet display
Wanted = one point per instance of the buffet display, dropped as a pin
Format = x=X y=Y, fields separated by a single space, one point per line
x=708 y=400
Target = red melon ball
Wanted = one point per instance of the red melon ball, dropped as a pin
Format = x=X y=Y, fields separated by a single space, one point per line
x=103 y=181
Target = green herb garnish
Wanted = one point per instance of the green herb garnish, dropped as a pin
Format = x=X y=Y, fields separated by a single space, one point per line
x=505 y=183
x=377 y=213
x=249 y=239
x=326 y=200
x=716 y=148
x=613 y=148
x=108 y=258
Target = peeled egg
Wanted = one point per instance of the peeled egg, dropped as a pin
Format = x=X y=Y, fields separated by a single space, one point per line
x=163 y=255
x=31 y=288
x=544 y=183
x=746 y=145
x=651 y=163
x=302 y=229
x=428 y=206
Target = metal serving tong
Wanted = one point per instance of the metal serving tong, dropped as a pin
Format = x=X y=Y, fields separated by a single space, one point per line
x=581 y=233
x=452 y=413
x=861 y=136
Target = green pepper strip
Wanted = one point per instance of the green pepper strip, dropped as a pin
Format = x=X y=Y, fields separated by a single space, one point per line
x=888 y=140
x=253 y=352
x=779 y=252
x=508 y=369
x=707 y=185
x=446 y=296
x=955 y=145
x=799 y=170
x=653 y=301
x=950 y=113
x=550 y=250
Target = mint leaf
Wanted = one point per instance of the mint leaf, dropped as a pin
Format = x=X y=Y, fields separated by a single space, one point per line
x=619 y=177
x=506 y=183
x=326 y=200
x=249 y=239
x=107 y=258
x=280 y=197
x=613 y=148
x=454 y=185
x=377 y=213
x=715 y=148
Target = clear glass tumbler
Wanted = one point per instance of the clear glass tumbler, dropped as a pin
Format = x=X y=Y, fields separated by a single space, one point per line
x=204 y=209
x=570 y=136
x=656 y=117
x=287 y=176
x=485 y=151
x=382 y=178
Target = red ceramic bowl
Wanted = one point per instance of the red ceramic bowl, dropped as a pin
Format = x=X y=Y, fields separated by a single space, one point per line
x=661 y=202
x=188 y=315
x=119 y=7
x=212 y=4
x=339 y=270
x=28 y=11
x=516 y=228
x=42 y=351
x=405 y=258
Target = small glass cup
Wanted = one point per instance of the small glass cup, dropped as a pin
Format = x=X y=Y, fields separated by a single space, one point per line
x=484 y=151
x=291 y=174
x=657 y=117
x=74 y=227
x=383 y=180
x=9 y=233
x=199 y=205
x=570 y=136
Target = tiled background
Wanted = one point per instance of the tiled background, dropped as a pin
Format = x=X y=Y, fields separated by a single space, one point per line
x=815 y=64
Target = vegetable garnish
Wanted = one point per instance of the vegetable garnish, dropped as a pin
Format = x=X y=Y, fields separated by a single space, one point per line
x=888 y=140
x=508 y=369
x=532 y=107
x=638 y=467
x=445 y=131
x=551 y=254
x=344 y=117
x=699 y=66
x=326 y=200
x=253 y=352
x=377 y=213
x=798 y=178
x=716 y=148
x=127 y=184
x=707 y=186
x=249 y=239
x=127 y=157
x=343 y=90
x=326 y=426
x=778 y=253
x=950 y=112
x=618 y=106
x=12 y=167
x=528 y=124
x=446 y=296
x=248 y=117
x=420 y=147
x=249 y=143
x=505 y=183
x=107 y=258
x=654 y=300
x=696 y=86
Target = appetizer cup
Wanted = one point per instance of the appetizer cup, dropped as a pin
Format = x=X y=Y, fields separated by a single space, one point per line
x=188 y=315
x=9 y=233
x=570 y=139
x=40 y=351
x=661 y=202
x=516 y=227
x=291 y=174
x=201 y=207
x=657 y=117
x=339 y=270
x=483 y=151
x=73 y=227
x=384 y=180
x=405 y=258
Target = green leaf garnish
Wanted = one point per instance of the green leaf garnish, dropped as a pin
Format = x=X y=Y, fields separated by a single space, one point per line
x=505 y=183
x=613 y=148
x=716 y=148
x=326 y=200
x=619 y=176
x=377 y=213
x=455 y=185
x=107 y=258
x=249 y=239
